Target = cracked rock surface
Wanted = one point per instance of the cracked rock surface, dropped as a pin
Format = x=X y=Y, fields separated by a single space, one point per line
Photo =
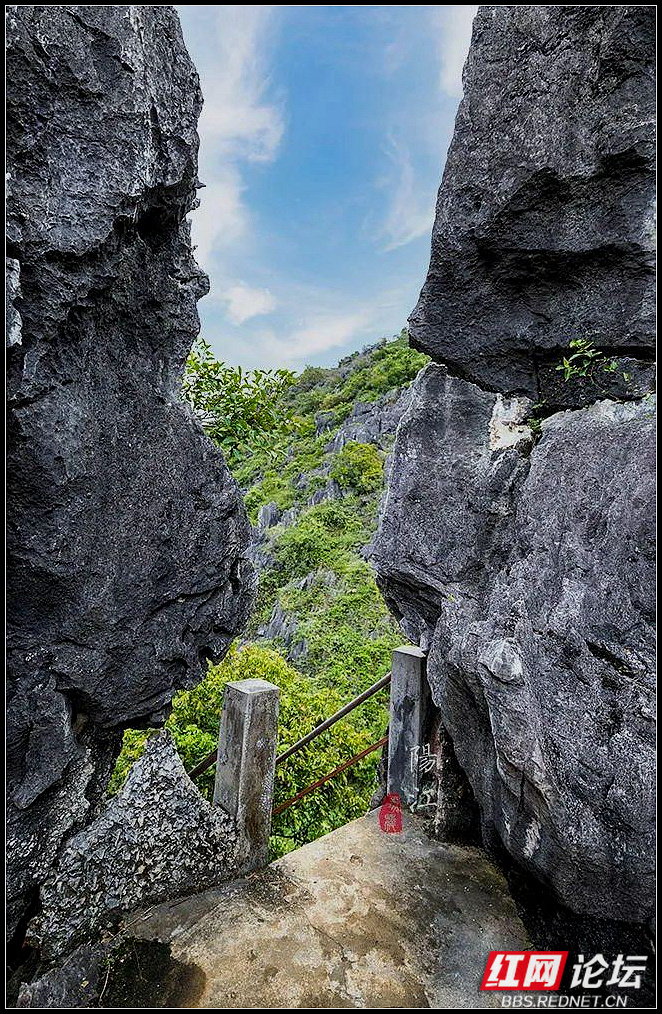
x=522 y=558
x=127 y=535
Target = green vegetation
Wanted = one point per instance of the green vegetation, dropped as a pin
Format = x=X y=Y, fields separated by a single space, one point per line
x=239 y=410
x=319 y=578
x=586 y=361
x=304 y=704
x=358 y=467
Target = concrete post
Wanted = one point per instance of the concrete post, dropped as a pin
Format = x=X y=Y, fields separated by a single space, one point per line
x=410 y=708
x=246 y=763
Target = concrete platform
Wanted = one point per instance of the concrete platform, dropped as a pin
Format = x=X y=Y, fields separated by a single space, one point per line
x=359 y=918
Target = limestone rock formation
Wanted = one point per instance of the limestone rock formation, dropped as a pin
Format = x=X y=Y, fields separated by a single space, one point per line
x=157 y=839
x=372 y=422
x=127 y=535
x=544 y=224
x=73 y=985
x=521 y=556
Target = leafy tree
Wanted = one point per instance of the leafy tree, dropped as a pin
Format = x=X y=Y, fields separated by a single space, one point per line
x=239 y=409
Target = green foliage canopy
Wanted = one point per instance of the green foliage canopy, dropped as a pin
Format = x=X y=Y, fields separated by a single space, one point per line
x=240 y=410
x=304 y=703
x=358 y=467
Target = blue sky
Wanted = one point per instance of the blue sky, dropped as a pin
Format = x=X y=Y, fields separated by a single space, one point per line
x=322 y=142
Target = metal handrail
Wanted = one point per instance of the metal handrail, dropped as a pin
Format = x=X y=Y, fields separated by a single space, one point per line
x=345 y=710
x=316 y=785
x=205 y=763
x=210 y=759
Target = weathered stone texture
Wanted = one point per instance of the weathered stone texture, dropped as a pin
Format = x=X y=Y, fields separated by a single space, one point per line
x=545 y=216
x=127 y=535
x=75 y=984
x=523 y=562
x=529 y=578
x=155 y=840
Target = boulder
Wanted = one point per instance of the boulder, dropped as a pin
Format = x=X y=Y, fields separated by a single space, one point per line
x=544 y=228
x=127 y=536
x=516 y=538
x=372 y=422
x=156 y=840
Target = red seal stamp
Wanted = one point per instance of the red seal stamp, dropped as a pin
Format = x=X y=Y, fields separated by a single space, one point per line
x=390 y=814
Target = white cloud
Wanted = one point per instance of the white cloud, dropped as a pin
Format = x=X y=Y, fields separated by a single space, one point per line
x=332 y=325
x=452 y=25
x=319 y=334
x=410 y=211
x=411 y=207
x=222 y=219
x=244 y=302
x=239 y=123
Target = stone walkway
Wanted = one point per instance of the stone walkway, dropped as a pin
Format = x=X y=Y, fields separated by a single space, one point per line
x=358 y=918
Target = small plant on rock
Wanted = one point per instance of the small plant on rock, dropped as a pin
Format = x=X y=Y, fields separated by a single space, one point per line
x=585 y=361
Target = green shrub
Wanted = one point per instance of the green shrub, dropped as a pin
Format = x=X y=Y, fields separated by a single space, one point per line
x=323 y=534
x=239 y=409
x=273 y=487
x=358 y=467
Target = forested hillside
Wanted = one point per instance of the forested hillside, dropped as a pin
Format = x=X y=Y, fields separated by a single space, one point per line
x=320 y=631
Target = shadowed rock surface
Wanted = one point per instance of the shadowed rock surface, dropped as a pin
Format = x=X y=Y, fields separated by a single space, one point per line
x=520 y=558
x=544 y=230
x=536 y=606
x=127 y=535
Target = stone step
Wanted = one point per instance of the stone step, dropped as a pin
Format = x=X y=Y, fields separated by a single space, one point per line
x=358 y=918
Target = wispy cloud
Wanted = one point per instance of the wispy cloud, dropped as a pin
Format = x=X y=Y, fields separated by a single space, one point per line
x=238 y=119
x=222 y=219
x=241 y=123
x=319 y=333
x=287 y=295
x=329 y=325
x=411 y=211
x=452 y=27
x=410 y=207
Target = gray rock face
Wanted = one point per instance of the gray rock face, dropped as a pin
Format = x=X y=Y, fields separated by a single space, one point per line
x=372 y=422
x=127 y=535
x=156 y=839
x=75 y=984
x=332 y=491
x=282 y=626
x=521 y=558
x=544 y=224
x=528 y=575
x=268 y=516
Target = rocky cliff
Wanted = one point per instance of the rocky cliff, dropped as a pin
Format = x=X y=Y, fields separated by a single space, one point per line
x=516 y=539
x=127 y=535
x=544 y=222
